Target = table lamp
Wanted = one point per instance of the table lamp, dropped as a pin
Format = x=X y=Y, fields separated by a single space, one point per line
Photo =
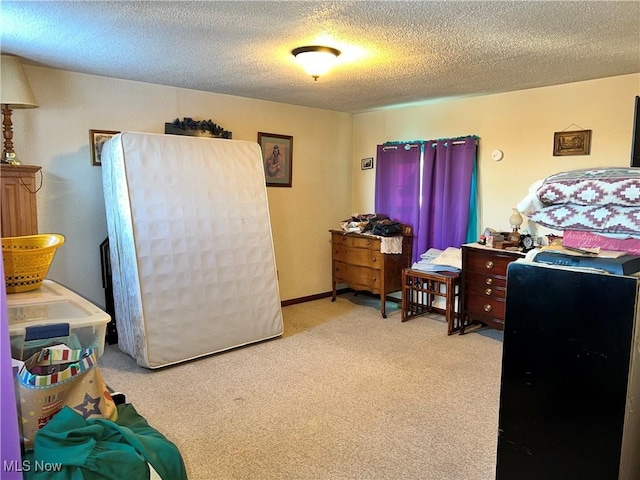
x=15 y=92
x=515 y=220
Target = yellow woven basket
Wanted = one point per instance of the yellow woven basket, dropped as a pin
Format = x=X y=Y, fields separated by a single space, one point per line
x=27 y=260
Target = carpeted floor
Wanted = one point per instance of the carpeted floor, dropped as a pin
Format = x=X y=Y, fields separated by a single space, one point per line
x=343 y=394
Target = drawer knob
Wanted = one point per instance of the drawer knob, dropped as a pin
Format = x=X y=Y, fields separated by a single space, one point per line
x=489 y=264
x=488 y=291
x=368 y=242
x=374 y=279
x=487 y=308
x=489 y=281
x=373 y=259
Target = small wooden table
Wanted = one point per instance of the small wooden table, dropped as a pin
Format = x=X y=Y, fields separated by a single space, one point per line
x=419 y=290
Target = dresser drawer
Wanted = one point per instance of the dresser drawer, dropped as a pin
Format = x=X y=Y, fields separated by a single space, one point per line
x=357 y=277
x=485 y=280
x=358 y=256
x=489 y=263
x=485 y=306
x=482 y=290
x=357 y=242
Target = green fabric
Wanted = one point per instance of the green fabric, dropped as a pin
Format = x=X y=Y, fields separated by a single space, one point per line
x=472 y=226
x=100 y=449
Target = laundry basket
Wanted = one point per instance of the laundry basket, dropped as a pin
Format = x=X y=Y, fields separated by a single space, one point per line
x=27 y=260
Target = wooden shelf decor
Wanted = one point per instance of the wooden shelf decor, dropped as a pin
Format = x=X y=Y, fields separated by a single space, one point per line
x=196 y=128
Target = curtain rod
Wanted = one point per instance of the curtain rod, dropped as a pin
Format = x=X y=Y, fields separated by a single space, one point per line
x=415 y=145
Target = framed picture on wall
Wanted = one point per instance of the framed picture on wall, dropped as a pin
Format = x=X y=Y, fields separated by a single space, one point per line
x=96 y=140
x=577 y=142
x=277 y=158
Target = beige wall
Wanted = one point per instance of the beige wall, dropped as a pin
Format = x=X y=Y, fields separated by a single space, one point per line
x=521 y=124
x=328 y=184
x=71 y=202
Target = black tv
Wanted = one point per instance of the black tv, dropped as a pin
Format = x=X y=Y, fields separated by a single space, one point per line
x=635 y=142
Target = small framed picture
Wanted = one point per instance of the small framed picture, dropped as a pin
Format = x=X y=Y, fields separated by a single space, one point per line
x=577 y=142
x=277 y=158
x=96 y=140
x=366 y=163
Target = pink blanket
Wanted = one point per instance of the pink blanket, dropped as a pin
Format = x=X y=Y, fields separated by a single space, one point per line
x=581 y=239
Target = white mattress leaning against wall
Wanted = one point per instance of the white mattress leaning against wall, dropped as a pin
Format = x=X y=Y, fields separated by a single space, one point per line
x=191 y=248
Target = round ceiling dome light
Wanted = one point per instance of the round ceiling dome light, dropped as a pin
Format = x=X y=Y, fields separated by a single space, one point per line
x=316 y=60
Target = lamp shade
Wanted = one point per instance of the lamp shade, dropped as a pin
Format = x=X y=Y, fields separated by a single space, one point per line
x=316 y=60
x=15 y=91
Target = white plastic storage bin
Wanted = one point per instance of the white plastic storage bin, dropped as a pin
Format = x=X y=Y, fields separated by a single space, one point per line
x=54 y=314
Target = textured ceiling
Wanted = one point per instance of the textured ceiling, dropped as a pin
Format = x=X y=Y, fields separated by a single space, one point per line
x=393 y=52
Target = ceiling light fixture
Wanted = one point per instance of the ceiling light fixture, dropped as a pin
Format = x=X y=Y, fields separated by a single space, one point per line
x=316 y=60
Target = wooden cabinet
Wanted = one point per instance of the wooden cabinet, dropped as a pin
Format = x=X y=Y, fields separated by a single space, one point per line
x=484 y=284
x=358 y=262
x=19 y=211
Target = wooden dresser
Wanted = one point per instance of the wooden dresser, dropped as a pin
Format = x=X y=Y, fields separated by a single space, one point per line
x=359 y=263
x=19 y=212
x=484 y=284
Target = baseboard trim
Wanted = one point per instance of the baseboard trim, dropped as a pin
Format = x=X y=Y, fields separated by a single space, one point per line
x=311 y=298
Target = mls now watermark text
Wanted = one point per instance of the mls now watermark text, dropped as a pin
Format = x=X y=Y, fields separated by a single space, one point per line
x=29 y=466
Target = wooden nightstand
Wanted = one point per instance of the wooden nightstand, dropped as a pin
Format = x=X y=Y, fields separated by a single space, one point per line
x=484 y=284
x=358 y=262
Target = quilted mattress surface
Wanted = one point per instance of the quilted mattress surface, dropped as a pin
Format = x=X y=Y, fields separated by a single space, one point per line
x=191 y=250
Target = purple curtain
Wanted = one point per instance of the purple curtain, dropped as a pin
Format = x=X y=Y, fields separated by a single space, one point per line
x=446 y=190
x=429 y=186
x=398 y=182
x=11 y=460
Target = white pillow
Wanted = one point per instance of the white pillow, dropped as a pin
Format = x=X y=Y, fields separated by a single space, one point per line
x=451 y=256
